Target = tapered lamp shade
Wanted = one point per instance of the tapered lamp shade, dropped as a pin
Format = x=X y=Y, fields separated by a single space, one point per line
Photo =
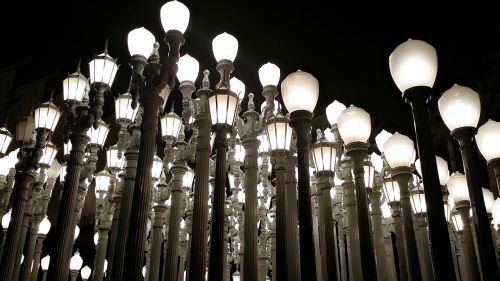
x=47 y=116
x=324 y=155
x=174 y=16
x=102 y=181
x=49 y=154
x=85 y=272
x=238 y=87
x=188 y=68
x=369 y=174
x=417 y=199
x=6 y=220
x=98 y=136
x=187 y=180
x=448 y=206
x=112 y=159
x=225 y=47
x=236 y=276
x=140 y=42
x=4 y=166
x=53 y=171
x=76 y=262
x=442 y=167
x=5 y=139
x=398 y=151
x=457 y=222
x=460 y=107
x=223 y=107
x=381 y=138
x=300 y=91
x=279 y=133
x=239 y=153
x=457 y=186
x=157 y=167
x=269 y=74
x=391 y=191
x=264 y=142
x=75 y=87
x=45 y=263
x=377 y=161
x=103 y=69
x=413 y=63
x=354 y=125
x=25 y=128
x=333 y=111
x=44 y=226
x=124 y=110
x=170 y=125
x=489 y=200
x=488 y=140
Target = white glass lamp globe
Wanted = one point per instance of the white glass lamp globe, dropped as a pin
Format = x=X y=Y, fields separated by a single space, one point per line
x=188 y=68
x=442 y=167
x=488 y=140
x=413 y=63
x=225 y=47
x=96 y=238
x=381 y=138
x=354 y=125
x=44 y=226
x=45 y=263
x=76 y=262
x=377 y=161
x=174 y=16
x=457 y=186
x=46 y=116
x=269 y=74
x=140 y=42
x=460 y=107
x=398 y=151
x=77 y=232
x=300 y=91
x=333 y=111
x=6 y=220
x=85 y=272
x=238 y=87
x=489 y=200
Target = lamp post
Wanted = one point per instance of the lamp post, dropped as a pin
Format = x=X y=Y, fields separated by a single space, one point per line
x=354 y=128
x=460 y=109
x=43 y=229
x=160 y=194
x=487 y=139
x=413 y=67
x=147 y=82
x=399 y=153
x=300 y=92
x=75 y=264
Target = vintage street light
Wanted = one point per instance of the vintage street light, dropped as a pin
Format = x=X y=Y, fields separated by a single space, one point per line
x=75 y=264
x=45 y=266
x=487 y=139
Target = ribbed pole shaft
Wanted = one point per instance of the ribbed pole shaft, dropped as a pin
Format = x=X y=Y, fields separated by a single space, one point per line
x=400 y=244
x=442 y=259
x=378 y=235
x=424 y=253
x=131 y=156
x=182 y=267
x=19 y=199
x=44 y=275
x=462 y=262
x=30 y=252
x=3 y=243
x=178 y=170
x=66 y=216
x=351 y=230
x=114 y=230
x=301 y=122
x=341 y=241
x=136 y=239
x=389 y=251
x=20 y=249
x=291 y=232
x=469 y=250
x=156 y=240
x=250 y=270
x=147 y=255
x=36 y=258
x=218 y=258
x=325 y=205
x=198 y=249
x=274 y=262
x=281 y=243
x=482 y=231
x=100 y=256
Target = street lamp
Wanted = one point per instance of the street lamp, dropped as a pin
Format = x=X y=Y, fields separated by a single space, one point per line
x=187 y=74
x=269 y=76
x=487 y=139
x=75 y=264
x=413 y=67
x=5 y=139
x=300 y=92
x=354 y=126
x=460 y=108
x=45 y=266
x=85 y=273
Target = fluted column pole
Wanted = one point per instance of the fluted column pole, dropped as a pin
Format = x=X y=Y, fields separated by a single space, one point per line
x=423 y=247
x=28 y=258
x=469 y=251
x=281 y=243
x=37 y=256
x=117 y=201
x=378 y=235
x=400 y=239
x=325 y=205
x=292 y=246
x=102 y=244
x=341 y=241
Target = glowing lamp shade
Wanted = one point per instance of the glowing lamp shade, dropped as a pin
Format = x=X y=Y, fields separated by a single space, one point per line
x=170 y=125
x=188 y=68
x=417 y=199
x=369 y=174
x=413 y=63
x=47 y=116
x=45 y=263
x=264 y=143
x=386 y=210
x=102 y=180
x=123 y=108
x=333 y=111
x=112 y=159
x=223 y=107
x=239 y=154
x=5 y=139
x=377 y=161
x=140 y=42
x=157 y=167
x=489 y=200
x=96 y=238
x=49 y=154
x=174 y=16
x=187 y=180
x=238 y=87
x=62 y=172
x=279 y=133
x=25 y=128
x=4 y=166
x=85 y=272
x=77 y=232
x=354 y=125
x=457 y=186
x=53 y=171
x=6 y=220
x=457 y=222
x=381 y=138
x=460 y=107
x=105 y=265
x=75 y=87
x=98 y=136
x=442 y=167
x=76 y=262
x=488 y=138
x=391 y=191
x=225 y=47
x=324 y=155
x=448 y=206
x=300 y=91
x=241 y=196
x=236 y=276
x=67 y=148
x=398 y=151
x=269 y=74
x=44 y=226
x=103 y=69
